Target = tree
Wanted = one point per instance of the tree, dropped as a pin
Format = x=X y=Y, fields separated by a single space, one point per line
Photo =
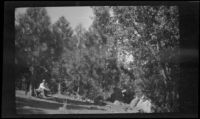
x=32 y=40
x=153 y=31
x=62 y=34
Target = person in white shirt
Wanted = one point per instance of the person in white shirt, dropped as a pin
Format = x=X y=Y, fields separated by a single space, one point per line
x=42 y=88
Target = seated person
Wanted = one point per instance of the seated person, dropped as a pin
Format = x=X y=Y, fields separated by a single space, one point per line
x=42 y=88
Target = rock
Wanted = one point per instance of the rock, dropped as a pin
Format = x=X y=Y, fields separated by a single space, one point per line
x=108 y=106
x=144 y=105
x=134 y=102
x=117 y=102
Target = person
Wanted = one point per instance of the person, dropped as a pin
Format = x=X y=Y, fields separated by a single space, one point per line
x=42 y=88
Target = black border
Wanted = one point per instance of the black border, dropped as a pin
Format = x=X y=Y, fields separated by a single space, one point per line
x=189 y=29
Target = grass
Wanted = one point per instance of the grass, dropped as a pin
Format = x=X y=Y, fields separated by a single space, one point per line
x=61 y=105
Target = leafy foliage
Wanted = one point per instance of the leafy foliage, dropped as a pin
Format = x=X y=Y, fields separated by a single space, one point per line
x=153 y=35
x=127 y=47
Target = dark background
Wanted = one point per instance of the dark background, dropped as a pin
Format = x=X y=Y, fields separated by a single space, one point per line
x=189 y=26
x=189 y=31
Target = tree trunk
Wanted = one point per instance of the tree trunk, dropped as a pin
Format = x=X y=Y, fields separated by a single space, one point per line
x=164 y=76
x=59 y=88
x=30 y=90
x=31 y=86
x=78 y=90
x=60 y=77
x=164 y=73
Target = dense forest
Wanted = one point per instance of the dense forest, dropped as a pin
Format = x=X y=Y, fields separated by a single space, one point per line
x=127 y=47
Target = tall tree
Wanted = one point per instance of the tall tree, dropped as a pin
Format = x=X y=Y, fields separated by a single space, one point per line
x=103 y=34
x=153 y=31
x=63 y=35
x=32 y=39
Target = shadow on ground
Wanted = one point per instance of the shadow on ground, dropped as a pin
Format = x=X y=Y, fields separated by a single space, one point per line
x=42 y=106
x=77 y=107
x=75 y=102
x=36 y=103
x=30 y=111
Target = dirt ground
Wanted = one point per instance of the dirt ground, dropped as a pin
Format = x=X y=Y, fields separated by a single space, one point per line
x=64 y=105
